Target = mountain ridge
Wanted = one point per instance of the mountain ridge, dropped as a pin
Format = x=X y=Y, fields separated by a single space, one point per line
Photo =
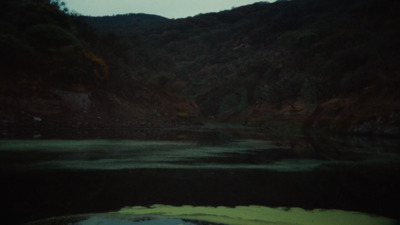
x=122 y=21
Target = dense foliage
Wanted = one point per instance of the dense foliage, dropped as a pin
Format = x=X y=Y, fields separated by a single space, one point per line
x=276 y=53
x=261 y=54
x=39 y=41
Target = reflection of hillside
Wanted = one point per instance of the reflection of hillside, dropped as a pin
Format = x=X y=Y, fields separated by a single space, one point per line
x=201 y=148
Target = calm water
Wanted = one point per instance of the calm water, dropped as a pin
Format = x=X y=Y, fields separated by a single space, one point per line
x=203 y=175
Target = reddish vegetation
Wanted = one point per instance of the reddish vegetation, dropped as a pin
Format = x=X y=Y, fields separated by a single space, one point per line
x=272 y=114
x=374 y=111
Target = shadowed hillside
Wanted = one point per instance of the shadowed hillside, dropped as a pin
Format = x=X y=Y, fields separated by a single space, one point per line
x=327 y=65
x=57 y=72
x=330 y=64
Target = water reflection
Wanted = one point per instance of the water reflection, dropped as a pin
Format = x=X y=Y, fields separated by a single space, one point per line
x=235 y=154
x=43 y=178
x=103 y=220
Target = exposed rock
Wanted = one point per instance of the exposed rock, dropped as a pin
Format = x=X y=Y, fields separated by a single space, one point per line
x=392 y=131
x=81 y=100
x=368 y=127
x=368 y=113
x=28 y=112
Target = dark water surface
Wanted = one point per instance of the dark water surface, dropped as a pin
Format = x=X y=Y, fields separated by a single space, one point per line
x=83 y=172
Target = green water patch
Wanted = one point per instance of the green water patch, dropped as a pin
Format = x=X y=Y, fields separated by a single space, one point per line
x=240 y=215
x=133 y=154
x=86 y=145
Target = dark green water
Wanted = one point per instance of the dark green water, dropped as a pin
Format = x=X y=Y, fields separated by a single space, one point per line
x=85 y=174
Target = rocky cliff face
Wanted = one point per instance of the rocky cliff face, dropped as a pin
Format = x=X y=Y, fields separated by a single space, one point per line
x=69 y=108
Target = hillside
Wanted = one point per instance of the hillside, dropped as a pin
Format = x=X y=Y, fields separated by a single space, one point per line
x=327 y=65
x=56 y=72
x=330 y=65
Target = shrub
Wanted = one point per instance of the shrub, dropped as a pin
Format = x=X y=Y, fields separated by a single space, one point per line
x=286 y=88
x=74 y=65
x=14 y=52
x=32 y=13
x=161 y=79
x=46 y=37
x=233 y=102
x=7 y=28
x=299 y=38
x=316 y=88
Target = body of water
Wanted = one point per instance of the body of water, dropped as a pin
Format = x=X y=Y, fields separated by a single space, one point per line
x=204 y=175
